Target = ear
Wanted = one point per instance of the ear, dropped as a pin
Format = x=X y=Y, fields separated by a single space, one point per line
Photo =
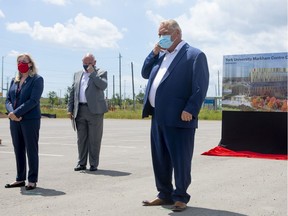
x=177 y=31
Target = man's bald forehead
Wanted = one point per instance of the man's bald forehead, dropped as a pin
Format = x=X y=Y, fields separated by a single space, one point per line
x=89 y=56
x=89 y=59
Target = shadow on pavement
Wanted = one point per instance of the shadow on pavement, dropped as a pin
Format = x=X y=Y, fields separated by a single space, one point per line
x=112 y=173
x=196 y=211
x=42 y=192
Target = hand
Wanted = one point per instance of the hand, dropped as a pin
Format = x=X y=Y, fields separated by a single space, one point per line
x=156 y=49
x=185 y=116
x=69 y=114
x=13 y=117
x=90 y=68
x=18 y=119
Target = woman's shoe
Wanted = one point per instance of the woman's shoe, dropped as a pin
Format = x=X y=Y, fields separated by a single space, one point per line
x=30 y=186
x=15 y=184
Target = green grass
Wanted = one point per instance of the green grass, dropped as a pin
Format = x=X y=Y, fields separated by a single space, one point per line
x=61 y=112
x=206 y=114
x=123 y=114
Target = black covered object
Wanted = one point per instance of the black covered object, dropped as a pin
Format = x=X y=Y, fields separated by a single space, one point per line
x=262 y=132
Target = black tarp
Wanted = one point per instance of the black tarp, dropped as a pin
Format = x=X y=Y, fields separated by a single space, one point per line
x=262 y=132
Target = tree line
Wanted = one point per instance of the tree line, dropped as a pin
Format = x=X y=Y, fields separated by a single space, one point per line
x=113 y=103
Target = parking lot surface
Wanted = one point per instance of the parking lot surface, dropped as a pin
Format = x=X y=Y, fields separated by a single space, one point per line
x=221 y=186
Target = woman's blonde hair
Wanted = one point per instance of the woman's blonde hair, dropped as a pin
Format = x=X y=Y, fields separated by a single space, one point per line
x=32 y=68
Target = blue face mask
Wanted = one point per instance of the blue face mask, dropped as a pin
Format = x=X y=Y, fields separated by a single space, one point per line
x=165 y=41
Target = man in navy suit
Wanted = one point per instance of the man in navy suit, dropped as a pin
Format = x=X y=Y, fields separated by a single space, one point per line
x=178 y=81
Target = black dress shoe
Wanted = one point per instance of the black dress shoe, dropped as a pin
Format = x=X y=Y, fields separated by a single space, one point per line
x=21 y=184
x=79 y=167
x=93 y=168
x=30 y=187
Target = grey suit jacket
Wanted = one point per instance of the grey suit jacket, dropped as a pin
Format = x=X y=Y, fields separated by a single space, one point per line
x=94 y=93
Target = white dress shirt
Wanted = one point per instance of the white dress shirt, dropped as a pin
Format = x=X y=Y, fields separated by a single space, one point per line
x=83 y=86
x=169 y=57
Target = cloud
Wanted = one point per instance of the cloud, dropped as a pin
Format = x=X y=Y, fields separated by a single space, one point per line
x=233 y=27
x=167 y=2
x=222 y=28
x=66 y=2
x=93 y=2
x=20 y=27
x=81 y=32
x=2 y=15
x=155 y=18
x=57 y=2
x=13 y=53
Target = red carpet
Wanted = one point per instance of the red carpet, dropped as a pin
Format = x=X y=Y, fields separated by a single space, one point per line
x=221 y=151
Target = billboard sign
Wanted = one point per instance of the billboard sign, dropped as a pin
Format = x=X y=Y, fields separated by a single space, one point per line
x=255 y=82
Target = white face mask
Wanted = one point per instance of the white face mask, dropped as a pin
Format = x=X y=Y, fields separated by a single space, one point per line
x=165 y=41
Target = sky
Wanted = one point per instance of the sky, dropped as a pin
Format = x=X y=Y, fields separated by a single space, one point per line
x=58 y=33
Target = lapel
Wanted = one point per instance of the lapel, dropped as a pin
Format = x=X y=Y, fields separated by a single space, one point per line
x=78 y=80
x=25 y=84
x=88 y=83
x=15 y=88
x=175 y=61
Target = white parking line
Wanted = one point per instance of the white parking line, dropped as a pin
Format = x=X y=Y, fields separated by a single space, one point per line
x=111 y=146
x=49 y=155
x=103 y=145
x=42 y=143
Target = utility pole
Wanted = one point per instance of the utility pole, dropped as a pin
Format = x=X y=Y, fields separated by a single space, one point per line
x=120 y=101
x=124 y=94
x=133 y=94
x=113 y=96
x=113 y=87
x=2 y=95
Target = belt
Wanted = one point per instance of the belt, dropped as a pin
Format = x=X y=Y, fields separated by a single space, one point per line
x=83 y=104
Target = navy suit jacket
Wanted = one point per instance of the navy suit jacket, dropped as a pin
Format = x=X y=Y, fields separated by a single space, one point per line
x=183 y=87
x=26 y=103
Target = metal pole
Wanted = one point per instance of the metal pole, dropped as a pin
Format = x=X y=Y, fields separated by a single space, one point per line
x=218 y=85
x=133 y=93
x=113 y=87
x=120 y=101
x=113 y=97
x=2 y=76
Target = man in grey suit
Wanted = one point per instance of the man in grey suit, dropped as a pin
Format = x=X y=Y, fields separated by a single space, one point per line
x=86 y=108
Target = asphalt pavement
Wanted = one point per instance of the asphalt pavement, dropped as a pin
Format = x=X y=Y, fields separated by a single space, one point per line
x=221 y=186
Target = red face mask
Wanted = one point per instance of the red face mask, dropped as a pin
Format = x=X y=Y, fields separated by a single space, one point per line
x=23 y=67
